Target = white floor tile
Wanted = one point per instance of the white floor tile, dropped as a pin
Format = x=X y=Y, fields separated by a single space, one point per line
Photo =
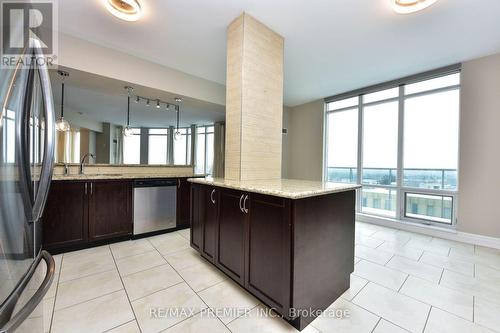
x=86 y=263
x=146 y=282
x=379 y=274
x=186 y=233
x=228 y=295
x=373 y=255
x=396 y=308
x=152 y=311
x=139 y=262
x=487 y=313
x=90 y=251
x=429 y=247
x=441 y=297
x=261 y=320
x=169 y=243
x=130 y=248
x=443 y=322
x=403 y=251
x=464 y=247
x=130 y=327
x=392 y=235
x=357 y=283
x=471 y=286
x=358 y=320
x=487 y=273
x=386 y=327
x=451 y=264
x=416 y=236
x=97 y=315
x=86 y=288
x=485 y=259
x=184 y=259
x=368 y=241
x=415 y=268
x=204 y=322
x=202 y=276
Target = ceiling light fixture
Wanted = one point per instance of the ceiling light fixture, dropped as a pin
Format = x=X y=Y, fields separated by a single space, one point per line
x=411 y=6
x=157 y=103
x=62 y=124
x=127 y=130
x=127 y=10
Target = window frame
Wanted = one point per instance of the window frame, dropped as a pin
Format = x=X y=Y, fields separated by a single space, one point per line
x=401 y=190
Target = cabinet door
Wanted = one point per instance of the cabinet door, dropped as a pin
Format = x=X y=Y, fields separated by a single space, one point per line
x=231 y=235
x=64 y=220
x=110 y=206
x=268 y=250
x=197 y=208
x=211 y=199
x=183 y=202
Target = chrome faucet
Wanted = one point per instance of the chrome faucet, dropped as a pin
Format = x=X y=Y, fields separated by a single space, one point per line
x=83 y=161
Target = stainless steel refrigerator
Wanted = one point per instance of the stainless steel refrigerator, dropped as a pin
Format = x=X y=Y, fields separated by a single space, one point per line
x=26 y=163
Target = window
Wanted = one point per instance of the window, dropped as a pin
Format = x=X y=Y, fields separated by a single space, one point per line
x=204 y=157
x=342 y=139
x=132 y=147
x=182 y=147
x=157 y=145
x=400 y=144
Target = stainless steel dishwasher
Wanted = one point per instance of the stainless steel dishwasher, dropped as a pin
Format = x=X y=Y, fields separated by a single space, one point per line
x=155 y=202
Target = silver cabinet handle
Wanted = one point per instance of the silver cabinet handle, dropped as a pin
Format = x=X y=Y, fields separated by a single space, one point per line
x=212 y=196
x=178 y=183
x=91 y=188
x=241 y=207
x=86 y=185
x=245 y=209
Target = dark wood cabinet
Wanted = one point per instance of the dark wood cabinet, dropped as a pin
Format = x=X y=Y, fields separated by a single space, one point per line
x=79 y=213
x=231 y=235
x=289 y=253
x=110 y=205
x=197 y=207
x=210 y=223
x=65 y=218
x=268 y=249
x=183 y=207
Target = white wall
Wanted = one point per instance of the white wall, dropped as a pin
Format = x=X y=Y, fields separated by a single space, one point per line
x=86 y=56
x=479 y=165
x=305 y=141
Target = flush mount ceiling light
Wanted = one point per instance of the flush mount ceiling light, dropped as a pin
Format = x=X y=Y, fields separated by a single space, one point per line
x=411 y=6
x=128 y=10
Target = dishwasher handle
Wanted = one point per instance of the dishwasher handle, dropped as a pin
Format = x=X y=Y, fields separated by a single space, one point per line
x=155 y=183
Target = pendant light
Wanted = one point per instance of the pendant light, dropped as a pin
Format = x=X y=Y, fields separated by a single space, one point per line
x=177 y=135
x=62 y=124
x=127 y=130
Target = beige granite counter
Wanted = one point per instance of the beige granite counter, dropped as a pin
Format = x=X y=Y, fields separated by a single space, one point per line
x=285 y=188
x=96 y=171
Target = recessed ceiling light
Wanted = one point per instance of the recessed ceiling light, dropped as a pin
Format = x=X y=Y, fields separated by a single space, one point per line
x=411 y=6
x=128 y=10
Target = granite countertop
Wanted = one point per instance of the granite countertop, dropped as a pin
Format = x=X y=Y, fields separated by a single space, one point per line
x=120 y=176
x=285 y=188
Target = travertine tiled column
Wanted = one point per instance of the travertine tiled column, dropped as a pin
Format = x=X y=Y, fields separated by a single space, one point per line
x=254 y=101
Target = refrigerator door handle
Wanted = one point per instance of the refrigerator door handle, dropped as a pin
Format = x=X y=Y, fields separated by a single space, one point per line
x=32 y=303
x=48 y=152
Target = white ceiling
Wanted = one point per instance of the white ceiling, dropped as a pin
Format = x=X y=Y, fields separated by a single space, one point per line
x=331 y=46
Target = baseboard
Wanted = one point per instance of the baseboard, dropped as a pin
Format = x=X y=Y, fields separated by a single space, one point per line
x=434 y=231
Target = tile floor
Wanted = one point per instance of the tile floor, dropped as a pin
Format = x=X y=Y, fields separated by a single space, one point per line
x=403 y=282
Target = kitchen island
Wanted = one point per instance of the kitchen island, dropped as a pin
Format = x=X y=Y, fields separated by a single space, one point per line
x=288 y=242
